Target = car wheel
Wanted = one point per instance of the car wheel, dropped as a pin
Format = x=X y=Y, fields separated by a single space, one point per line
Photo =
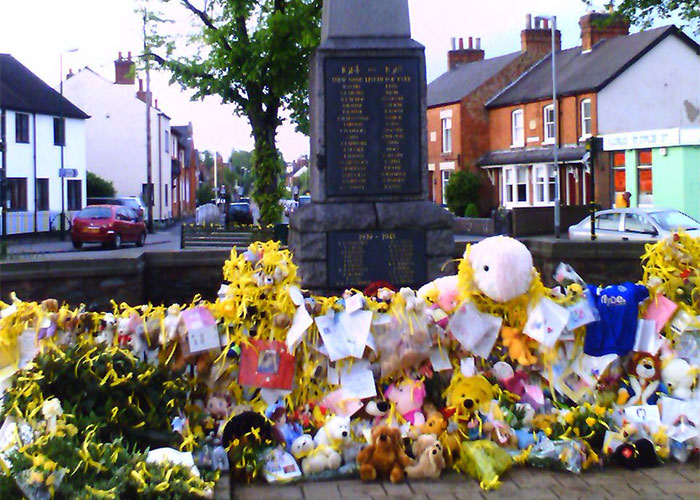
x=117 y=241
x=142 y=240
x=77 y=244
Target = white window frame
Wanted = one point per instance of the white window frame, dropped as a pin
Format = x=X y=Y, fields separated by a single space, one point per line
x=543 y=175
x=517 y=141
x=513 y=187
x=445 y=179
x=586 y=121
x=446 y=135
x=548 y=138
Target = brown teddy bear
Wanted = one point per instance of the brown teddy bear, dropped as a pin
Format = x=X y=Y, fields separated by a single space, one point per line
x=430 y=464
x=385 y=457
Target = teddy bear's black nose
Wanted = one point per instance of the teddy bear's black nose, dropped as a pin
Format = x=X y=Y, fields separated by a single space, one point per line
x=468 y=403
x=383 y=406
x=382 y=437
x=434 y=452
x=345 y=433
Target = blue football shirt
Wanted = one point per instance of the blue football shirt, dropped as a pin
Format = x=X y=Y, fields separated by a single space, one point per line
x=618 y=306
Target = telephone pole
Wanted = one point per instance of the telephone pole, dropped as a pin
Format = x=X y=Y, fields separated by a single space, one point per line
x=149 y=174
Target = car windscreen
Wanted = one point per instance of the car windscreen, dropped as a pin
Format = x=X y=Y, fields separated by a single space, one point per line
x=671 y=220
x=238 y=207
x=95 y=213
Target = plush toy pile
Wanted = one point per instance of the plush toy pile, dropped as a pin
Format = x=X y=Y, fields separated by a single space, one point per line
x=476 y=372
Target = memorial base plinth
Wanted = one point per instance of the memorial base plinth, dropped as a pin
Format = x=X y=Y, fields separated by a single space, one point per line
x=349 y=245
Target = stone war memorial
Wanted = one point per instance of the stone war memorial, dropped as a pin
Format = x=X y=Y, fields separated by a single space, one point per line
x=289 y=374
x=369 y=218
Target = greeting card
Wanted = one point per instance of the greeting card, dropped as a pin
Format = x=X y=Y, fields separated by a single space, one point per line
x=266 y=363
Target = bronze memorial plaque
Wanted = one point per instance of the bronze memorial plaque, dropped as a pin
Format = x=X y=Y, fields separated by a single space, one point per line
x=356 y=258
x=372 y=126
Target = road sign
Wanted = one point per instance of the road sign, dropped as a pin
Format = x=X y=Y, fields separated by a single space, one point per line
x=68 y=172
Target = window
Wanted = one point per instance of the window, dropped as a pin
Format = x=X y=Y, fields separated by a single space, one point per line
x=517 y=128
x=17 y=193
x=42 y=194
x=447 y=135
x=167 y=141
x=22 y=128
x=515 y=185
x=147 y=195
x=75 y=194
x=545 y=184
x=619 y=174
x=165 y=195
x=609 y=222
x=445 y=180
x=59 y=131
x=548 y=123
x=636 y=223
x=644 y=176
x=586 y=118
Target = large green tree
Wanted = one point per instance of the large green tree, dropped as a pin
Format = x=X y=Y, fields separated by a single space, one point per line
x=644 y=12
x=254 y=54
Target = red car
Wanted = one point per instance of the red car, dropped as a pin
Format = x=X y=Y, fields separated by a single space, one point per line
x=110 y=225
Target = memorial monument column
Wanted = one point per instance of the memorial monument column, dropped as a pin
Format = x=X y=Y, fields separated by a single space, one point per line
x=370 y=218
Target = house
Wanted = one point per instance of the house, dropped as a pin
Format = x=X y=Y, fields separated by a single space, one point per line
x=457 y=119
x=116 y=134
x=640 y=92
x=39 y=129
x=185 y=164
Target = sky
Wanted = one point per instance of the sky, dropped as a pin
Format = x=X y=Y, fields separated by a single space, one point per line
x=36 y=32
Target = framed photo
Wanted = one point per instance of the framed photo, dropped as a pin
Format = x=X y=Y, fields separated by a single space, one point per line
x=267 y=364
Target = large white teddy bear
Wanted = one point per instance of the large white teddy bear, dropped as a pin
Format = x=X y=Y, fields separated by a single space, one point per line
x=313 y=459
x=332 y=438
x=502 y=268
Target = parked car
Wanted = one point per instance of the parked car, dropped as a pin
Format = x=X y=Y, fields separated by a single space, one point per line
x=133 y=202
x=110 y=225
x=239 y=213
x=303 y=200
x=635 y=224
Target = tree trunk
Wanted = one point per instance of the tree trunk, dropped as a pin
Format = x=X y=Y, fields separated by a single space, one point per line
x=267 y=166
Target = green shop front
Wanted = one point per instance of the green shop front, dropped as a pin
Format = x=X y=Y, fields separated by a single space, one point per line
x=658 y=168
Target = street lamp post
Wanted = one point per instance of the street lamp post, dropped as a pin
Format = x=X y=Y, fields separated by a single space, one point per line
x=62 y=142
x=555 y=104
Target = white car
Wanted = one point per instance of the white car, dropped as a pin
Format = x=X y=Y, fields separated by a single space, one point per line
x=635 y=224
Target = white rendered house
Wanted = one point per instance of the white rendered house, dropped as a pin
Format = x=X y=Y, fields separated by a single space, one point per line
x=116 y=134
x=32 y=113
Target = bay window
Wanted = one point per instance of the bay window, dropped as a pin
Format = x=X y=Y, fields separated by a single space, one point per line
x=545 y=184
x=515 y=186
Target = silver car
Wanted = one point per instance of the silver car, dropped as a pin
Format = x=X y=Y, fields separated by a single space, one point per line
x=635 y=224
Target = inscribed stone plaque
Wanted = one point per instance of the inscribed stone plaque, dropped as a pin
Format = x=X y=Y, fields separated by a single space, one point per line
x=357 y=258
x=372 y=126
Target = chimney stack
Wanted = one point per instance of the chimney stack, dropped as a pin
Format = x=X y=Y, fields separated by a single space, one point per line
x=597 y=26
x=124 y=70
x=456 y=57
x=537 y=38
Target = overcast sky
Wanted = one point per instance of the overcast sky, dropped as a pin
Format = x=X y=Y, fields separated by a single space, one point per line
x=36 y=31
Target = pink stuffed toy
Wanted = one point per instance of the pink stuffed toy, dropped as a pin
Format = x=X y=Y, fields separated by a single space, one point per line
x=408 y=397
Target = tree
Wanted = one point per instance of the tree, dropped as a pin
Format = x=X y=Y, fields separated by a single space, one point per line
x=98 y=187
x=205 y=193
x=643 y=12
x=462 y=189
x=242 y=169
x=302 y=181
x=254 y=55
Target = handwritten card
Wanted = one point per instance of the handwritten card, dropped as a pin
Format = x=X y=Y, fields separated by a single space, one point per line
x=354 y=303
x=342 y=403
x=546 y=322
x=439 y=359
x=468 y=325
x=358 y=380
x=344 y=335
x=202 y=333
x=301 y=322
x=647 y=338
x=643 y=414
x=660 y=310
x=582 y=312
x=467 y=367
x=484 y=346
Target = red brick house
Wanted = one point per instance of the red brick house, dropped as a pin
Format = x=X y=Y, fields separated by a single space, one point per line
x=520 y=162
x=458 y=133
x=185 y=170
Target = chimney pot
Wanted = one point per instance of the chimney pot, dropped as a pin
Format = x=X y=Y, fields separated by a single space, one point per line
x=528 y=21
x=156 y=103
x=120 y=56
x=478 y=44
x=140 y=85
x=129 y=56
x=454 y=43
x=461 y=44
x=471 y=44
x=546 y=23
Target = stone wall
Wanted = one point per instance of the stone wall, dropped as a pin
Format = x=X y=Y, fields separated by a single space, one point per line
x=167 y=277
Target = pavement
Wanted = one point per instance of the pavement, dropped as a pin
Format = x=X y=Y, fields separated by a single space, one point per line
x=671 y=481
